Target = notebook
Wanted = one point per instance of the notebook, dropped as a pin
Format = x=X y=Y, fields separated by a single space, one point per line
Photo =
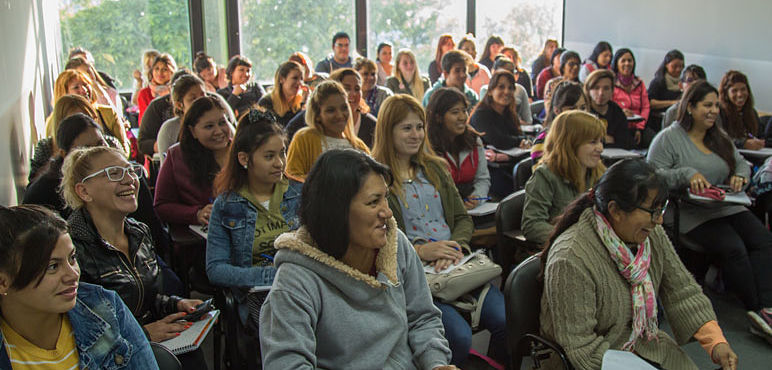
x=192 y=338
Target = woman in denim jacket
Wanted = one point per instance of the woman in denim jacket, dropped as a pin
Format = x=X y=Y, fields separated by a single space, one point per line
x=255 y=205
x=98 y=331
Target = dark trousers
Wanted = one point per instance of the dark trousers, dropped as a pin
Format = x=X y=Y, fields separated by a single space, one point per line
x=744 y=248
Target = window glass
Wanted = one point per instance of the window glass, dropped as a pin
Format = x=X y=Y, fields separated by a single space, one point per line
x=416 y=25
x=117 y=32
x=215 y=31
x=271 y=30
x=524 y=24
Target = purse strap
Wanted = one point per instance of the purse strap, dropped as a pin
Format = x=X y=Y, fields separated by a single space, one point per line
x=473 y=305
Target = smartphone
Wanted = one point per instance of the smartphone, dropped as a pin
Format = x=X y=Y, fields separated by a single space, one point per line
x=200 y=311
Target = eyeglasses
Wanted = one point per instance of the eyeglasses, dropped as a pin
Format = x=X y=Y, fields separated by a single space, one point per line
x=655 y=213
x=117 y=173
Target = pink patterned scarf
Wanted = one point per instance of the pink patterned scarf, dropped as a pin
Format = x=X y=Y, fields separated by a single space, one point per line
x=635 y=269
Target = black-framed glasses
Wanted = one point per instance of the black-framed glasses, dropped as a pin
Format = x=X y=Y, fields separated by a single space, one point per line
x=655 y=213
x=117 y=173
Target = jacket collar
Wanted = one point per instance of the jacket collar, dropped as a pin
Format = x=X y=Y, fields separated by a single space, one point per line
x=82 y=228
x=301 y=242
x=90 y=327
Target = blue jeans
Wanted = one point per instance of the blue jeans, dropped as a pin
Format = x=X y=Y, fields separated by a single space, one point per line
x=459 y=333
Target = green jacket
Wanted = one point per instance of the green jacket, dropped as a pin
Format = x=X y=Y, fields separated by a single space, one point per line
x=459 y=222
x=546 y=196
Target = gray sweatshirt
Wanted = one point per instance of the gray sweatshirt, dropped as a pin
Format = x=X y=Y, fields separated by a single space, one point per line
x=677 y=159
x=322 y=313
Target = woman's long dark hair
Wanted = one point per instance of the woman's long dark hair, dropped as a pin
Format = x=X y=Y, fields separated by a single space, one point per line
x=738 y=121
x=715 y=138
x=198 y=158
x=617 y=56
x=669 y=57
x=627 y=182
x=254 y=130
x=440 y=103
x=494 y=39
x=510 y=112
x=599 y=48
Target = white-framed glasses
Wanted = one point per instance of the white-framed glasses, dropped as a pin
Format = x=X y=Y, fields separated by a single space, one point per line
x=117 y=173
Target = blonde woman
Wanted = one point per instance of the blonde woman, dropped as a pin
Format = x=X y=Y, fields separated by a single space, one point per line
x=330 y=126
x=286 y=98
x=571 y=164
x=406 y=78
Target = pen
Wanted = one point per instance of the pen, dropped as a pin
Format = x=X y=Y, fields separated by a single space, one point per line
x=477 y=198
x=268 y=257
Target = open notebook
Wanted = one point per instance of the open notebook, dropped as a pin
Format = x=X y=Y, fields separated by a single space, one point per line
x=190 y=339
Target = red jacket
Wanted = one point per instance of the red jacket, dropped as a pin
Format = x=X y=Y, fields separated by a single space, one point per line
x=637 y=100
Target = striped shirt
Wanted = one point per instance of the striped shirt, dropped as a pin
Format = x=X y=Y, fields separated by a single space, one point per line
x=25 y=355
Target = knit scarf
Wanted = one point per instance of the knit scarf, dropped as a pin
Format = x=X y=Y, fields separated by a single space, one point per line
x=635 y=269
x=672 y=82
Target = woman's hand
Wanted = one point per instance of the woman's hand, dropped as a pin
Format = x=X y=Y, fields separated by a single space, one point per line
x=737 y=182
x=628 y=112
x=188 y=305
x=525 y=144
x=137 y=76
x=637 y=137
x=753 y=144
x=447 y=249
x=443 y=263
x=469 y=204
x=203 y=214
x=698 y=183
x=494 y=156
x=724 y=356
x=169 y=327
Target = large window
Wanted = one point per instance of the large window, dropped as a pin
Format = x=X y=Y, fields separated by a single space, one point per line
x=117 y=32
x=271 y=30
x=525 y=24
x=416 y=25
x=215 y=31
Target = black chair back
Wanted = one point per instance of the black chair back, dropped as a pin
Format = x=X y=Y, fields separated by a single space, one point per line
x=523 y=172
x=164 y=357
x=522 y=294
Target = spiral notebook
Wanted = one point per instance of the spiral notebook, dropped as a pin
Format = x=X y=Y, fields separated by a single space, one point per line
x=191 y=339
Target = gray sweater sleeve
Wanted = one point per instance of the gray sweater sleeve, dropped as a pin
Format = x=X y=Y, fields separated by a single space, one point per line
x=482 y=178
x=523 y=109
x=665 y=152
x=425 y=332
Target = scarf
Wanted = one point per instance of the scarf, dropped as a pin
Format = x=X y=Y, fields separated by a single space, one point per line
x=672 y=82
x=635 y=269
x=626 y=80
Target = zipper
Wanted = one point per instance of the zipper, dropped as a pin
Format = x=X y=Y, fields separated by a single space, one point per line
x=134 y=274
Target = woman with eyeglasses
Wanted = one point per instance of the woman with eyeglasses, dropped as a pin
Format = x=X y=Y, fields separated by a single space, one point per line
x=608 y=264
x=695 y=153
x=115 y=251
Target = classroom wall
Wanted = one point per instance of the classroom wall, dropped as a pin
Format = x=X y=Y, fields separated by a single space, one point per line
x=718 y=35
x=27 y=62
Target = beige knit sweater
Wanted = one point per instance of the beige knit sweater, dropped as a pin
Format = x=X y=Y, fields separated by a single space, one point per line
x=586 y=305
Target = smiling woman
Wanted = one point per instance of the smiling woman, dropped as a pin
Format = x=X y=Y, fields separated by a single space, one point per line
x=47 y=315
x=608 y=263
x=367 y=281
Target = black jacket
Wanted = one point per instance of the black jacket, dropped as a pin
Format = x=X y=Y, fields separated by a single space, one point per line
x=499 y=131
x=136 y=279
x=158 y=111
x=242 y=102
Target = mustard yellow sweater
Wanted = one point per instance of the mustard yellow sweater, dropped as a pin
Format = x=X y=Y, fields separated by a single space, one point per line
x=305 y=147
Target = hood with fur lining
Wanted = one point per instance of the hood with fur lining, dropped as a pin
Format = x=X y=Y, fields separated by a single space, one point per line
x=300 y=241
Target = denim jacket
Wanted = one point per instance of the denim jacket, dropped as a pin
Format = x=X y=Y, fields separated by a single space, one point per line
x=230 y=237
x=106 y=333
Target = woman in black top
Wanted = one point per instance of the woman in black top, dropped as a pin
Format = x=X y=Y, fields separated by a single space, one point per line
x=240 y=93
x=738 y=117
x=663 y=89
x=599 y=88
x=496 y=115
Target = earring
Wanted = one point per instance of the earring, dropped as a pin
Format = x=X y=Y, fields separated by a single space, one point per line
x=245 y=167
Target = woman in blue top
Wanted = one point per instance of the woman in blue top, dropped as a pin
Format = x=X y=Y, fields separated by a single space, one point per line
x=44 y=307
x=255 y=204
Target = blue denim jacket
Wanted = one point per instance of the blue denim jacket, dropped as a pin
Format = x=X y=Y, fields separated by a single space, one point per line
x=107 y=335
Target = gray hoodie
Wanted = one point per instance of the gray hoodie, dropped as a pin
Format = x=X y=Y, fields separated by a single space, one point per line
x=322 y=313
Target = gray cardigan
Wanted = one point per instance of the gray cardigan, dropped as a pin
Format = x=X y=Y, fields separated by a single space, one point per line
x=677 y=159
x=322 y=313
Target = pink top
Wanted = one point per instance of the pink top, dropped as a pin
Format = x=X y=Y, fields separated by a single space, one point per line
x=637 y=100
x=177 y=198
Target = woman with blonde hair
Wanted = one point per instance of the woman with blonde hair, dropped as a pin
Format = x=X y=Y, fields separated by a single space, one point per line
x=286 y=98
x=74 y=82
x=330 y=126
x=429 y=210
x=159 y=76
x=571 y=164
x=406 y=79
x=105 y=94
